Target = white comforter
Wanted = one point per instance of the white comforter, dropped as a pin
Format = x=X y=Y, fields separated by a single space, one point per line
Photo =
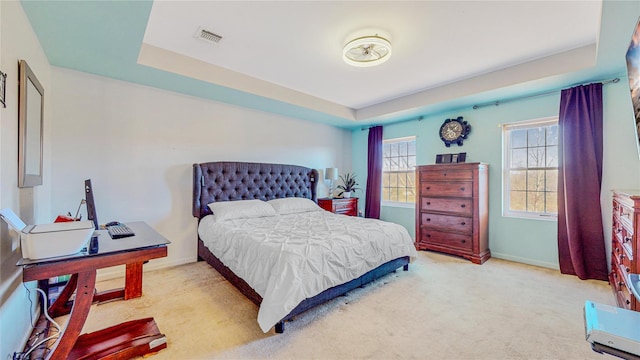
x=289 y=258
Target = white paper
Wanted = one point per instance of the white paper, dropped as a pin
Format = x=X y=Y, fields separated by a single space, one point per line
x=12 y=219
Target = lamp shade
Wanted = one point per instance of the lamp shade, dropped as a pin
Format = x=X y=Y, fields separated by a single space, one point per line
x=331 y=173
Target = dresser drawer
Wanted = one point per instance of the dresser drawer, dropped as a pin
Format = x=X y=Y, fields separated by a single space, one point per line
x=457 y=206
x=623 y=295
x=450 y=188
x=444 y=175
x=346 y=211
x=460 y=241
x=343 y=206
x=622 y=257
x=616 y=252
x=447 y=222
x=625 y=214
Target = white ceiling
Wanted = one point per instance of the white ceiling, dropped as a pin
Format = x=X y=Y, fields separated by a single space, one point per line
x=291 y=50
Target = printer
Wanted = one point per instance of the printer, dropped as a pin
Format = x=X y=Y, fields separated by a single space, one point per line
x=613 y=330
x=49 y=240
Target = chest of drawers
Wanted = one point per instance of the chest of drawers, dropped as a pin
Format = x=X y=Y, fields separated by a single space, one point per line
x=452 y=210
x=624 y=246
x=344 y=206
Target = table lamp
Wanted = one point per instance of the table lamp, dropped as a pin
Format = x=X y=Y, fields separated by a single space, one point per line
x=331 y=174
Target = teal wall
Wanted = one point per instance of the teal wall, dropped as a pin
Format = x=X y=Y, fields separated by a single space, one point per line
x=523 y=240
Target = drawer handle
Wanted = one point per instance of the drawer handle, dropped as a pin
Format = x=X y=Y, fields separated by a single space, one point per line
x=628 y=270
x=627 y=239
x=618 y=230
x=428 y=219
x=464 y=241
x=428 y=202
x=617 y=250
x=620 y=283
x=445 y=174
x=621 y=257
x=428 y=187
x=463 y=223
x=463 y=206
x=428 y=235
x=461 y=189
x=628 y=302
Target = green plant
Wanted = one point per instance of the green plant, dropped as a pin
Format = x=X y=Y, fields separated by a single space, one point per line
x=348 y=183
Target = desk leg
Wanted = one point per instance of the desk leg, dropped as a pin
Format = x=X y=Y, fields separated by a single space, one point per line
x=133 y=281
x=79 y=313
x=60 y=306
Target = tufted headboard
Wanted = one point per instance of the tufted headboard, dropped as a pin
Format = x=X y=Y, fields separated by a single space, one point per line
x=226 y=181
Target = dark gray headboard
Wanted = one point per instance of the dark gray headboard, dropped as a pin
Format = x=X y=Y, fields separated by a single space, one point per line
x=226 y=181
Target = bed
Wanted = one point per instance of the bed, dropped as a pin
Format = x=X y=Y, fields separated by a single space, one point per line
x=303 y=271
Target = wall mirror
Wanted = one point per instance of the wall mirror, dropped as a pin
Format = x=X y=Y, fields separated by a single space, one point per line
x=30 y=119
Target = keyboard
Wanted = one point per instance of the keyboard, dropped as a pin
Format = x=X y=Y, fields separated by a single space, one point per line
x=119 y=231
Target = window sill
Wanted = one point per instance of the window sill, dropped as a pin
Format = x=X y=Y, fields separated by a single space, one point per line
x=398 y=205
x=531 y=216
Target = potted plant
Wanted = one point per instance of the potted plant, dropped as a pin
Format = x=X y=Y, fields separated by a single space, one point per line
x=348 y=185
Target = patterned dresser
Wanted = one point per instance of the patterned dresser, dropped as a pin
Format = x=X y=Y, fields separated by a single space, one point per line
x=624 y=246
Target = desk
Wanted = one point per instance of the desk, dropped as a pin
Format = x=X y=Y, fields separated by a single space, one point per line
x=132 y=252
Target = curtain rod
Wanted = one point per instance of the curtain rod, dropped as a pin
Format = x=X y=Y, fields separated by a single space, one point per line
x=419 y=118
x=496 y=103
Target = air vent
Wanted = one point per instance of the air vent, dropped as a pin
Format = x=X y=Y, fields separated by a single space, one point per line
x=208 y=36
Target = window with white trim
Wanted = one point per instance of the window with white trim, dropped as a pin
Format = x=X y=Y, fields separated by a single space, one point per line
x=530 y=167
x=399 y=171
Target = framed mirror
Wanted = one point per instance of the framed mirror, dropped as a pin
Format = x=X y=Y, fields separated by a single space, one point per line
x=30 y=120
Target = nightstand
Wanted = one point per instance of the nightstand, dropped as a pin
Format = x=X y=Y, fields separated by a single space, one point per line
x=344 y=206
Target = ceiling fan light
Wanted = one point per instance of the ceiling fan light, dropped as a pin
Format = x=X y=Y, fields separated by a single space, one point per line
x=367 y=51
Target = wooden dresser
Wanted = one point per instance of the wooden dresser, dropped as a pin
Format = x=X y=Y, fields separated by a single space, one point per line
x=624 y=246
x=452 y=210
x=344 y=206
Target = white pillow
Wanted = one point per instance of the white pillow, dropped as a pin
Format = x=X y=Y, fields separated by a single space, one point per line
x=293 y=205
x=241 y=209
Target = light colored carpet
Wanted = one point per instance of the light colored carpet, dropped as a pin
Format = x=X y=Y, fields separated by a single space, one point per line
x=442 y=308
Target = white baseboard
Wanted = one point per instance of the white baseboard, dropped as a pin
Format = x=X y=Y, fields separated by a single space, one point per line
x=156 y=264
x=527 y=261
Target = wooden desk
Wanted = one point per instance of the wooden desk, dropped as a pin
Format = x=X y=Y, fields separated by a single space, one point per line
x=132 y=252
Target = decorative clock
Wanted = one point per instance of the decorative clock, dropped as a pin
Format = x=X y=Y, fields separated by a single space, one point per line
x=453 y=131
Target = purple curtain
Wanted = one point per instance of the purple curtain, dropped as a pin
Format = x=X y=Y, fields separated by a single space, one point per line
x=581 y=246
x=374 y=173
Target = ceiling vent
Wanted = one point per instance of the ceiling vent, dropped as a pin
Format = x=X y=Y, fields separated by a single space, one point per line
x=208 y=36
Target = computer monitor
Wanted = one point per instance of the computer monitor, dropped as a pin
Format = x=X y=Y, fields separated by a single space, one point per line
x=91 y=205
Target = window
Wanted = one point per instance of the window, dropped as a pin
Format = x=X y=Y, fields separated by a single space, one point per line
x=531 y=169
x=399 y=171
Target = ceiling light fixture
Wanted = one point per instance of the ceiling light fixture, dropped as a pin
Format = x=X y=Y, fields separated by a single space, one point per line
x=367 y=51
